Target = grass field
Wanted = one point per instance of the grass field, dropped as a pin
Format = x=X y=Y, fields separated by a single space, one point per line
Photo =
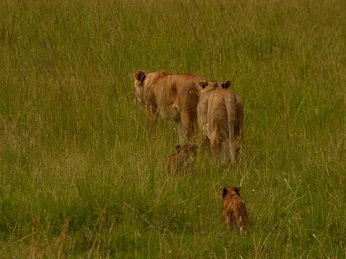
x=82 y=172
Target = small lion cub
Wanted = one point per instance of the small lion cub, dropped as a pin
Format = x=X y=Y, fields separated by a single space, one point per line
x=233 y=208
x=183 y=157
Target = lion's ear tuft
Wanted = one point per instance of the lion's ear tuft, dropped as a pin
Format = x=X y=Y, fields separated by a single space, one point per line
x=139 y=75
x=226 y=84
x=203 y=84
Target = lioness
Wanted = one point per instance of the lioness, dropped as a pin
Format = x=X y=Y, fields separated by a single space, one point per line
x=233 y=208
x=183 y=157
x=220 y=118
x=174 y=97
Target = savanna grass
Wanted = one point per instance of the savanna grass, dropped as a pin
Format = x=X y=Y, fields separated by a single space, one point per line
x=82 y=171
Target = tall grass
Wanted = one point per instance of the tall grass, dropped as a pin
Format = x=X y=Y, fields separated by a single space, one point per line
x=82 y=172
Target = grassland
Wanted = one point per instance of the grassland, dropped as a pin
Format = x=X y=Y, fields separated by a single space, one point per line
x=82 y=172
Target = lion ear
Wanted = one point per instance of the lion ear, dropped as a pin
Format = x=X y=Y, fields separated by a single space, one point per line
x=223 y=190
x=177 y=148
x=226 y=84
x=203 y=84
x=237 y=189
x=139 y=75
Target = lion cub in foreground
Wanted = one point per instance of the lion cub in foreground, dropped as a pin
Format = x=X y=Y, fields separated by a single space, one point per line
x=183 y=158
x=233 y=208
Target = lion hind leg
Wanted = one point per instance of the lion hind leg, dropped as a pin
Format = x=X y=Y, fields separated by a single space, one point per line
x=181 y=132
x=187 y=124
x=242 y=221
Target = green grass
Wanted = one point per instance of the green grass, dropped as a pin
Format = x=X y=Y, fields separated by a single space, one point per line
x=82 y=172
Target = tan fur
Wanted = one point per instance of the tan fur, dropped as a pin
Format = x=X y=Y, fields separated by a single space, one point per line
x=182 y=159
x=174 y=97
x=220 y=119
x=234 y=211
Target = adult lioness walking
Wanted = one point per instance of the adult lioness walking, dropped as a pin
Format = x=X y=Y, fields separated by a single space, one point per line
x=220 y=118
x=174 y=97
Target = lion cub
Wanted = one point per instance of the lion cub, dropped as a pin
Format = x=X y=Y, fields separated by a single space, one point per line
x=233 y=208
x=183 y=157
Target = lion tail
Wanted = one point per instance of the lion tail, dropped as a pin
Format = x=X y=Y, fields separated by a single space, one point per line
x=230 y=103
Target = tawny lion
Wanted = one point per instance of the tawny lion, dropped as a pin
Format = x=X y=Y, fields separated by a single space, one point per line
x=234 y=211
x=173 y=97
x=183 y=158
